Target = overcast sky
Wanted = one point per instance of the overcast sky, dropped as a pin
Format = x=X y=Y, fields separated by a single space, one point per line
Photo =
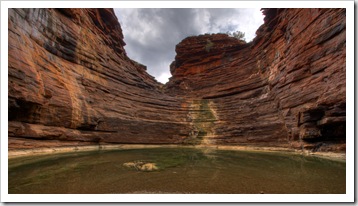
x=151 y=34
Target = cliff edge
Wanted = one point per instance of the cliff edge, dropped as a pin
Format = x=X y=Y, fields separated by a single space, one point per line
x=71 y=83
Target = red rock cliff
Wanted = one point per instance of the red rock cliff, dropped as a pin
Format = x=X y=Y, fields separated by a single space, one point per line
x=287 y=86
x=71 y=83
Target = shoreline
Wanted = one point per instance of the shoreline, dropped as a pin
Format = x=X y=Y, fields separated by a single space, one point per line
x=12 y=154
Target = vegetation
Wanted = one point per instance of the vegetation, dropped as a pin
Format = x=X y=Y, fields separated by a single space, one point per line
x=238 y=35
x=203 y=121
x=208 y=45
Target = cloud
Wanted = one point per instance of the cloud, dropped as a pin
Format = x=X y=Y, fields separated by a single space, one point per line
x=151 y=34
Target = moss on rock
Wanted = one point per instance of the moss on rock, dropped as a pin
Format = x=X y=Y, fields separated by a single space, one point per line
x=203 y=120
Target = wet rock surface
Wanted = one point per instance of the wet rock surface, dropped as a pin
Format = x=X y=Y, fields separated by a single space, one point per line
x=141 y=166
x=71 y=82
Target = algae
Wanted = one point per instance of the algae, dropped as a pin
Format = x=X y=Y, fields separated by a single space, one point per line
x=203 y=119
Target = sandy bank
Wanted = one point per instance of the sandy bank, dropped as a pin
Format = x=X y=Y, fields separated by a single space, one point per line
x=68 y=149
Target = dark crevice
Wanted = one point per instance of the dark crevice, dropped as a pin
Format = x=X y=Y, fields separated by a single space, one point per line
x=24 y=111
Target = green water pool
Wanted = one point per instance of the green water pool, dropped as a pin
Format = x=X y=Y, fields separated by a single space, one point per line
x=179 y=170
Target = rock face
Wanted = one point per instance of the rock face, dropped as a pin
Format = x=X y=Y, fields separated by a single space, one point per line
x=70 y=80
x=285 y=87
x=71 y=83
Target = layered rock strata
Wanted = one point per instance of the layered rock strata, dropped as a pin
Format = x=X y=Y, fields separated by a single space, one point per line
x=71 y=83
x=287 y=86
x=71 y=80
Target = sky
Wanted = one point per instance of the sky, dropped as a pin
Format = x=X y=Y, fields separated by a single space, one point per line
x=151 y=34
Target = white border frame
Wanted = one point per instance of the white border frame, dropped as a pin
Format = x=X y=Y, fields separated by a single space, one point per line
x=348 y=197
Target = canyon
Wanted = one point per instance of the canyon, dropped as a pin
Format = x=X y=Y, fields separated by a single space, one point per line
x=71 y=83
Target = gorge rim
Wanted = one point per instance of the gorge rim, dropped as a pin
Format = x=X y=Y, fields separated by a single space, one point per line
x=72 y=87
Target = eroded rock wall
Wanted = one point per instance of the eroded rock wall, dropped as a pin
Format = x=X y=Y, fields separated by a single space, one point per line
x=308 y=75
x=71 y=80
x=71 y=83
x=286 y=87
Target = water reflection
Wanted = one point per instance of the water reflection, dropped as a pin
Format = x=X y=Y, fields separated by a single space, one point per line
x=180 y=170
